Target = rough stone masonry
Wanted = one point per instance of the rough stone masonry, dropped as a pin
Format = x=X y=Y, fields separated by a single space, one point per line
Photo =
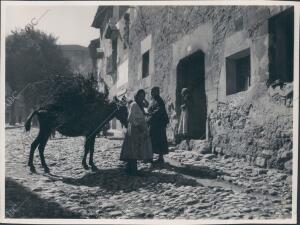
x=244 y=117
x=254 y=127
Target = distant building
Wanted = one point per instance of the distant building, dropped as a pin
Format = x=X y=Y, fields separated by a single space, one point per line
x=79 y=58
x=93 y=47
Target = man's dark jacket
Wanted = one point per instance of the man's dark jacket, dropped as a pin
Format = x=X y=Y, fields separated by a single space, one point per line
x=158 y=120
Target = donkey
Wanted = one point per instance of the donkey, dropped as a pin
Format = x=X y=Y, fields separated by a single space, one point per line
x=87 y=122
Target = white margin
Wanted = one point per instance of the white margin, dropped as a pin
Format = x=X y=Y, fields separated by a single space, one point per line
x=146 y=221
x=2 y=116
x=295 y=112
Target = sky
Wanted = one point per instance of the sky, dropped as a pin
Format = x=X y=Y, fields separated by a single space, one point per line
x=70 y=24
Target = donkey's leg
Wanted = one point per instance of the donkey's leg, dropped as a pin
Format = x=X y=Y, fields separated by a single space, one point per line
x=44 y=138
x=91 y=160
x=34 y=145
x=86 y=151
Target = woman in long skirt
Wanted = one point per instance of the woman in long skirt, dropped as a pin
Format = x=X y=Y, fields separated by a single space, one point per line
x=137 y=143
x=184 y=129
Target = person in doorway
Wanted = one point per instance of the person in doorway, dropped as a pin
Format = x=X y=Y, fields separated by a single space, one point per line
x=137 y=143
x=157 y=121
x=185 y=120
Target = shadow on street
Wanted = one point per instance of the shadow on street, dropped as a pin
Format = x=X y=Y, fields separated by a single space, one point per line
x=116 y=179
x=22 y=203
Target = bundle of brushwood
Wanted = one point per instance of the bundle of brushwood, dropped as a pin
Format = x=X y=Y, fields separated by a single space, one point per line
x=67 y=98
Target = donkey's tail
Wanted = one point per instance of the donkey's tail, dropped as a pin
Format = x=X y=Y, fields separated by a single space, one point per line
x=28 y=121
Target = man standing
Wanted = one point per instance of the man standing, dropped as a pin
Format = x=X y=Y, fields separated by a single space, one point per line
x=157 y=121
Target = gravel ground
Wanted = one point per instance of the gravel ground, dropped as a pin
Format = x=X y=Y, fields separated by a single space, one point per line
x=166 y=192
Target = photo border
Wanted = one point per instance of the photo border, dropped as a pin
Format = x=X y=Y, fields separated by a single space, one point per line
x=293 y=219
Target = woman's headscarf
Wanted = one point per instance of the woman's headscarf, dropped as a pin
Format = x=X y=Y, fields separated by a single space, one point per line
x=140 y=104
x=184 y=91
x=185 y=94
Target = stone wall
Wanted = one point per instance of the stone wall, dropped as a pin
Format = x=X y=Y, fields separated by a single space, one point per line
x=179 y=31
x=253 y=126
x=249 y=123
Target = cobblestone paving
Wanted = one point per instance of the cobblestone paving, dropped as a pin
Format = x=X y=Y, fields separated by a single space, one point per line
x=238 y=172
x=160 y=193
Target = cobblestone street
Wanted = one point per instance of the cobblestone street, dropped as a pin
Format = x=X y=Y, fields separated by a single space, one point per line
x=189 y=186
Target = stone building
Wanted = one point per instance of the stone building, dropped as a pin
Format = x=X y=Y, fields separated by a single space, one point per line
x=111 y=54
x=236 y=60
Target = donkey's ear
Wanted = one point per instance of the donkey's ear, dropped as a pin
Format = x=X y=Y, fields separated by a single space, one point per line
x=124 y=100
x=115 y=99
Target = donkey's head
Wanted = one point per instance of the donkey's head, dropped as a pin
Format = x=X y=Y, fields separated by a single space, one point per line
x=121 y=110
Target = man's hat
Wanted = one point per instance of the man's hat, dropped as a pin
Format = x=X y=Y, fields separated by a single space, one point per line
x=155 y=88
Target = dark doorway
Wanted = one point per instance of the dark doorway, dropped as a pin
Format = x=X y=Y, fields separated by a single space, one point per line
x=281 y=44
x=191 y=75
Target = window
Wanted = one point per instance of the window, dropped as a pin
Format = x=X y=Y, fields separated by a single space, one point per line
x=145 y=64
x=126 y=31
x=238 y=74
x=114 y=59
x=281 y=46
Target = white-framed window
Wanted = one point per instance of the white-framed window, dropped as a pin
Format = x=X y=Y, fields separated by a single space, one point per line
x=238 y=72
x=146 y=56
